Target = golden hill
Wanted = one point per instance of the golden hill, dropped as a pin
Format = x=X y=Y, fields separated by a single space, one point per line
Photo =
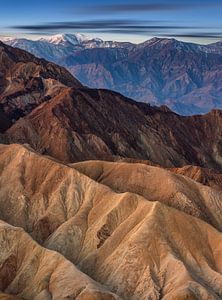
x=134 y=241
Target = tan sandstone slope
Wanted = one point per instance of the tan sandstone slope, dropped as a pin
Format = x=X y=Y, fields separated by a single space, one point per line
x=32 y=272
x=157 y=184
x=137 y=247
x=205 y=176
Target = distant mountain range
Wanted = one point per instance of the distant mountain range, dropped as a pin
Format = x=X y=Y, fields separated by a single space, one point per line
x=184 y=76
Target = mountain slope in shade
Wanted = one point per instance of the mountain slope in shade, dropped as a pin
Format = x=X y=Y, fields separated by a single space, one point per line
x=98 y=124
x=176 y=74
x=26 y=82
x=137 y=248
x=184 y=76
x=46 y=107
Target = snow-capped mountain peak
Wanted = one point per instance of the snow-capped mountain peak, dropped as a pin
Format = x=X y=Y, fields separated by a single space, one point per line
x=82 y=37
x=74 y=39
x=6 y=39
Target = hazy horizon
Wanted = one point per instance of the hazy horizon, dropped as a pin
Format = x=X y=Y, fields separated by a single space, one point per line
x=191 y=20
x=105 y=37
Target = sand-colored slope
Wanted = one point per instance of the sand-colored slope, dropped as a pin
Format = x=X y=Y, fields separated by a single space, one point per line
x=32 y=272
x=157 y=184
x=4 y=296
x=202 y=175
x=137 y=248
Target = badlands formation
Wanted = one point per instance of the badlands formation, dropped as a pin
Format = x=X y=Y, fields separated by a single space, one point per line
x=144 y=223
x=128 y=232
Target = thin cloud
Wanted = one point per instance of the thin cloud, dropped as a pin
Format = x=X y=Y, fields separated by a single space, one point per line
x=210 y=35
x=124 y=25
x=129 y=27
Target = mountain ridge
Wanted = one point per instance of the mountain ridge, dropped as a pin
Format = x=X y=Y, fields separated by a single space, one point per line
x=26 y=82
x=49 y=109
x=161 y=71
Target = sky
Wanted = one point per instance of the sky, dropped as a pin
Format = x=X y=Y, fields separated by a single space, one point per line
x=126 y=20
